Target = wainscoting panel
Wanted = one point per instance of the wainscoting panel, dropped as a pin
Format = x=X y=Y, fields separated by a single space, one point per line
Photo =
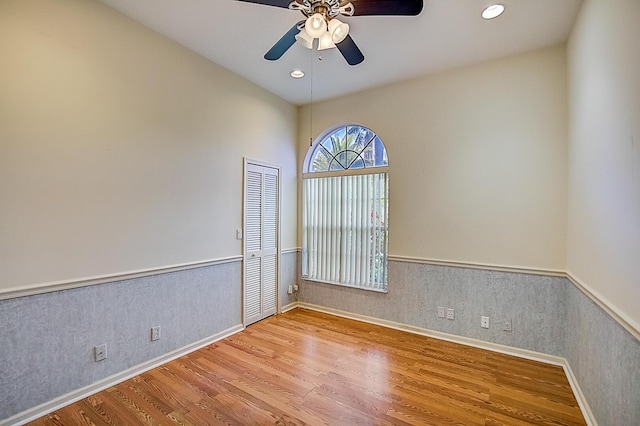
x=48 y=339
x=534 y=303
x=605 y=358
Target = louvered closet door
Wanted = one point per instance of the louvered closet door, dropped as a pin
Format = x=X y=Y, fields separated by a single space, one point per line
x=261 y=242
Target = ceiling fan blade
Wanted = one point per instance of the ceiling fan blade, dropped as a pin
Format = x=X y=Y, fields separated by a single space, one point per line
x=386 y=7
x=282 y=45
x=350 y=51
x=277 y=3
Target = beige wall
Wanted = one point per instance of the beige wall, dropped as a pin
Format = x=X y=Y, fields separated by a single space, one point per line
x=604 y=153
x=120 y=150
x=477 y=159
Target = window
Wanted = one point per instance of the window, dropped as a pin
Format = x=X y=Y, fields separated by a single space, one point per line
x=345 y=209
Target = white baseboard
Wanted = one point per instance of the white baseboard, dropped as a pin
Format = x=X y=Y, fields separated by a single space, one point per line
x=494 y=347
x=71 y=397
x=289 y=307
x=577 y=392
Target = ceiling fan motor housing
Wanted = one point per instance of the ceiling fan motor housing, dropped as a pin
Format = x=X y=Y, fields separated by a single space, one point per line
x=327 y=8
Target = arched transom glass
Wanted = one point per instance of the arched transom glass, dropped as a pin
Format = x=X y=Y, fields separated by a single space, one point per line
x=348 y=147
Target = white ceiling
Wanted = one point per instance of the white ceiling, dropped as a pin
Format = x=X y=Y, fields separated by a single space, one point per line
x=447 y=34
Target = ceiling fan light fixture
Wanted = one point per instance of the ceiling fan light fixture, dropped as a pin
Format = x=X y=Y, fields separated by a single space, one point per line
x=305 y=39
x=493 y=11
x=338 y=30
x=315 y=25
x=325 y=42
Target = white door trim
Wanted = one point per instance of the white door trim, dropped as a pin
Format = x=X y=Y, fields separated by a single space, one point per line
x=278 y=169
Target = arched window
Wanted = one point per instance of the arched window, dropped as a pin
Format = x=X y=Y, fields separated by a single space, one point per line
x=346 y=148
x=345 y=209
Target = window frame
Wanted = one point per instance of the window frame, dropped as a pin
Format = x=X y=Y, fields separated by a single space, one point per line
x=309 y=157
x=370 y=170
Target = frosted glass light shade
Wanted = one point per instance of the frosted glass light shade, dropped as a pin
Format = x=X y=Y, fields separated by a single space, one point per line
x=305 y=39
x=493 y=11
x=297 y=73
x=315 y=25
x=325 y=41
x=338 y=30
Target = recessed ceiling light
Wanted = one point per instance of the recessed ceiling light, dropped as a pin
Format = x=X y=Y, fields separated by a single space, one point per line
x=297 y=74
x=493 y=11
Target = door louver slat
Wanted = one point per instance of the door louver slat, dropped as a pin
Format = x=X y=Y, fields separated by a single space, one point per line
x=261 y=242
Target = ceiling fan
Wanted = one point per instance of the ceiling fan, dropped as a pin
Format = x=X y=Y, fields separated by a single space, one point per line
x=322 y=23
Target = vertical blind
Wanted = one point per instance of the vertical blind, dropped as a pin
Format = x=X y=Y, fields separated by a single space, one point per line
x=344 y=230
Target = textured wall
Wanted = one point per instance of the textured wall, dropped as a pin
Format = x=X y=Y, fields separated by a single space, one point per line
x=605 y=359
x=121 y=150
x=477 y=159
x=48 y=339
x=534 y=303
x=289 y=276
x=603 y=238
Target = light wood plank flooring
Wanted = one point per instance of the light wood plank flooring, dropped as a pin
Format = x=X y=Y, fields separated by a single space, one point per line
x=305 y=367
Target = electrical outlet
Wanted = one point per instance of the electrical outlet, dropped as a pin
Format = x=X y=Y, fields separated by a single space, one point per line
x=290 y=289
x=295 y=287
x=238 y=234
x=155 y=333
x=450 y=313
x=484 y=322
x=507 y=325
x=100 y=352
x=440 y=312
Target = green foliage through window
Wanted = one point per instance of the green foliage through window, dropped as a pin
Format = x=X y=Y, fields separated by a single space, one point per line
x=348 y=147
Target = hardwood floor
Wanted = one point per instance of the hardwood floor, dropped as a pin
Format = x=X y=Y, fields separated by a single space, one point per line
x=305 y=367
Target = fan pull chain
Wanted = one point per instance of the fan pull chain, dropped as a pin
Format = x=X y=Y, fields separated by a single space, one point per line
x=311 y=104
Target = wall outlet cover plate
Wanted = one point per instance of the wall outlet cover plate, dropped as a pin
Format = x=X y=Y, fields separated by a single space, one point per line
x=450 y=314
